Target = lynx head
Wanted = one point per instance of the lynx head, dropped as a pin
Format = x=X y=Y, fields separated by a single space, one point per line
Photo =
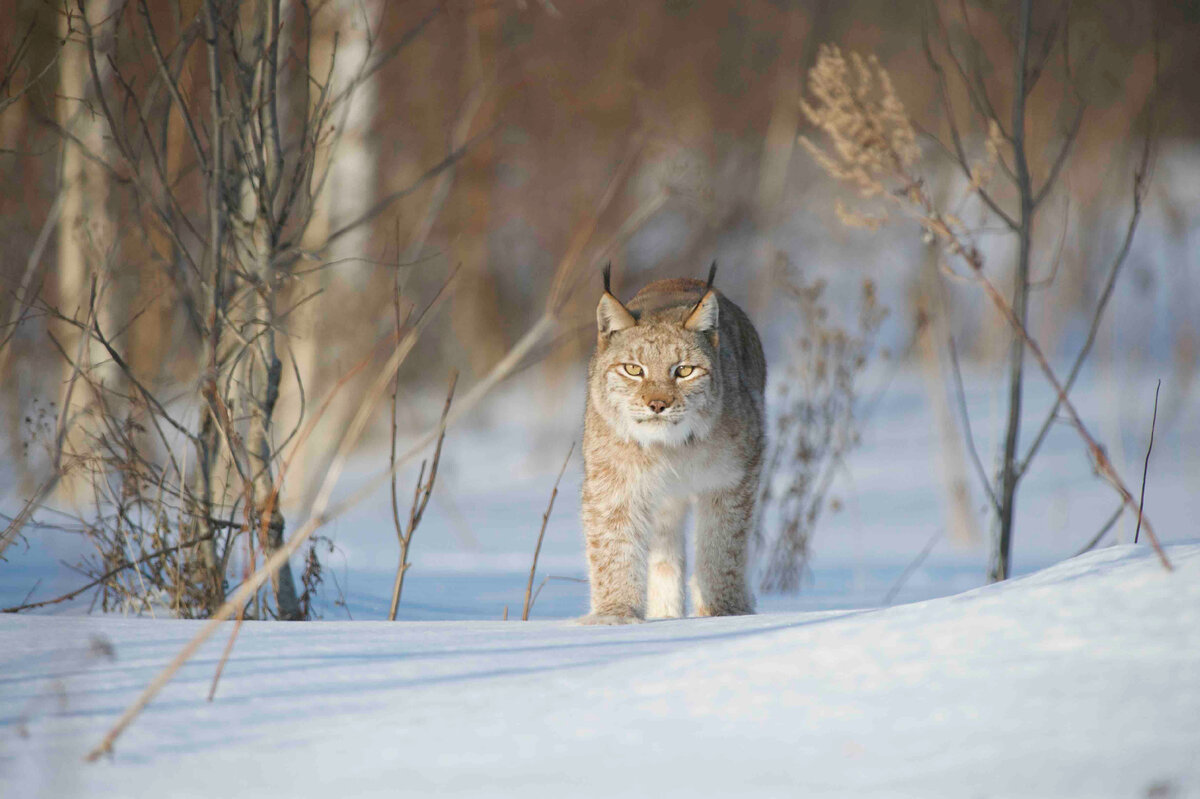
x=655 y=377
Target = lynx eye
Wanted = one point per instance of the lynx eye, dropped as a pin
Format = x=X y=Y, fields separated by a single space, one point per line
x=684 y=371
x=633 y=370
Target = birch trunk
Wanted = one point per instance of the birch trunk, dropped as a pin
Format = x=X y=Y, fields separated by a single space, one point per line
x=208 y=440
x=262 y=368
x=350 y=161
x=85 y=229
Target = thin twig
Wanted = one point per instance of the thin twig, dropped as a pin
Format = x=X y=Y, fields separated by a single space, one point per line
x=1101 y=460
x=286 y=258
x=237 y=627
x=421 y=494
x=542 y=533
x=395 y=425
x=22 y=306
x=401 y=341
x=1139 y=188
x=1146 y=465
x=63 y=424
x=910 y=568
x=1108 y=525
x=960 y=396
x=107 y=576
x=1141 y=178
x=959 y=154
x=547 y=579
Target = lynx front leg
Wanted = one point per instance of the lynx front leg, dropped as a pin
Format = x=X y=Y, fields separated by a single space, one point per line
x=664 y=590
x=616 y=549
x=723 y=521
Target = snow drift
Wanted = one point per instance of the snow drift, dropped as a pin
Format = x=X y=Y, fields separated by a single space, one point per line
x=1080 y=680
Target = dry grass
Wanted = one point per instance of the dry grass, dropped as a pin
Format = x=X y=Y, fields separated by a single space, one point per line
x=817 y=423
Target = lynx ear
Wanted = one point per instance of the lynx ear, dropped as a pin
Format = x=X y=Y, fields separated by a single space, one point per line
x=611 y=315
x=704 y=318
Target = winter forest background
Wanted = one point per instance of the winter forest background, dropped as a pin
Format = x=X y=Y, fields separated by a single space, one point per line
x=228 y=224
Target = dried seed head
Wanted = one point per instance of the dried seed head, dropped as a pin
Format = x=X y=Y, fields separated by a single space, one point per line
x=856 y=105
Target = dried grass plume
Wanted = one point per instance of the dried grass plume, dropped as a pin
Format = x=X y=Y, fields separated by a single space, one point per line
x=856 y=105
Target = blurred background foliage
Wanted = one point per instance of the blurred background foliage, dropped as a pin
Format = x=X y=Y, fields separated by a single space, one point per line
x=549 y=99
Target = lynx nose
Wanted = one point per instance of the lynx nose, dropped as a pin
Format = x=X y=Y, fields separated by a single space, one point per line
x=658 y=405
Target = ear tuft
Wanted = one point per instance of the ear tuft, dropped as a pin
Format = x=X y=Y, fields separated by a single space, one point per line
x=705 y=317
x=612 y=316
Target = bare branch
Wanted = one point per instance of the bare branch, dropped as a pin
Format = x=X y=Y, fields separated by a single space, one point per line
x=960 y=395
x=172 y=87
x=542 y=534
x=1146 y=465
x=64 y=423
x=1060 y=159
x=1139 y=189
x=910 y=568
x=1038 y=65
x=959 y=154
x=286 y=257
x=108 y=575
x=421 y=496
x=22 y=302
x=1108 y=525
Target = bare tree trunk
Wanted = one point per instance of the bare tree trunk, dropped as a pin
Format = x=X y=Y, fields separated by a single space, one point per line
x=208 y=444
x=85 y=229
x=261 y=367
x=262 y=374
x=1001 y=559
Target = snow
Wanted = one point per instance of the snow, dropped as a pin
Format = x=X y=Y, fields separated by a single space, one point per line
x=1081 y=680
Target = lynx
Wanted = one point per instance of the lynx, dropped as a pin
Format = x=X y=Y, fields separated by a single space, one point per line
x=674 y=417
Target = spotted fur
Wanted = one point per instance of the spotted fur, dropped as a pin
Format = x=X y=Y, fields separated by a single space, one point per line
x=656 y=442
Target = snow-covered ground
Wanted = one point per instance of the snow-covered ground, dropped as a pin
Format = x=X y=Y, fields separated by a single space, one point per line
x=1082 y=680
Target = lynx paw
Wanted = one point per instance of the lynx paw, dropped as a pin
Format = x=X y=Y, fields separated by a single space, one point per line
x=606 y=619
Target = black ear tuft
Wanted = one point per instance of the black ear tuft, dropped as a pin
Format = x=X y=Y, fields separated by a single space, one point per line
x=712 y=273
x=607 y=277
